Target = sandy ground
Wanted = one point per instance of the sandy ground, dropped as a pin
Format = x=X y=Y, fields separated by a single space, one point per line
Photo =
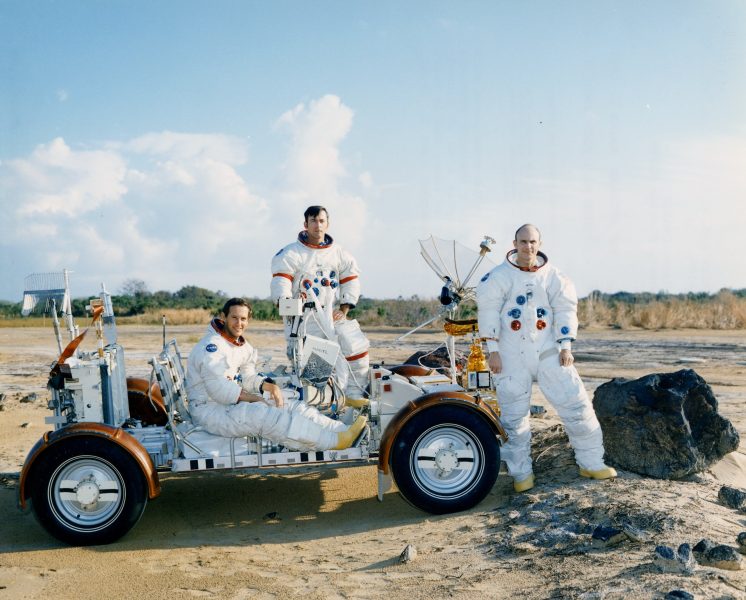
x=323 y=534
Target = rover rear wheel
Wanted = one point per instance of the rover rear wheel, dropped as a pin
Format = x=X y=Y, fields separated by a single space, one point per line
x=87 y=490
x=445 y=459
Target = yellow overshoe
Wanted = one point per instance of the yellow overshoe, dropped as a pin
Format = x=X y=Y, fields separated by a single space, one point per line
x=346 y=438
x=524 y=484
x=605 y=473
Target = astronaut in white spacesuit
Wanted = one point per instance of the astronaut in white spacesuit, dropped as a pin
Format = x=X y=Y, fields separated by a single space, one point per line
x=527 y=312
x=319 y=270
x=227 y=397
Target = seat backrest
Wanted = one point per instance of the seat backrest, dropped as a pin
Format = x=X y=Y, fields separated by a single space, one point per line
x=171 y=376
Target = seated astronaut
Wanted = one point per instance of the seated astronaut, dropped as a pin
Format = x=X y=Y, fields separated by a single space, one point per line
x=227 y=395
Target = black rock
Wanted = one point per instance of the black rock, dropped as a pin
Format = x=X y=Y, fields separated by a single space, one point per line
x=732 y=497
x=665 y=552
x=537 y=411
x=702 y=547
x=606 y=536
x=678 y=595
x=741 y=539
x=29 y=398
x=723 y=557
x=664 y=425
x=669 y=561
x=685 y=552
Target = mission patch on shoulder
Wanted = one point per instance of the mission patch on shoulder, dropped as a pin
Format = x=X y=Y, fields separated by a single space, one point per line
x=211 y=348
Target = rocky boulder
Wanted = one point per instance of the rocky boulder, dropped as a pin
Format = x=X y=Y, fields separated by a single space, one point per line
x=663 y=425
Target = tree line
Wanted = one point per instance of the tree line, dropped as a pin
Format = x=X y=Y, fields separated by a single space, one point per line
x=134 y=298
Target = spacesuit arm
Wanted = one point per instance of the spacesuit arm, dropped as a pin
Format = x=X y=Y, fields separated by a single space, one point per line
x=491 y=296
x=283 y=271
x=250 y=379
x=564 y=302
x=220 y=389
x=349 y=279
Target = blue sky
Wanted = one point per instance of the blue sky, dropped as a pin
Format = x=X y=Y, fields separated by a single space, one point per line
x=179 y=142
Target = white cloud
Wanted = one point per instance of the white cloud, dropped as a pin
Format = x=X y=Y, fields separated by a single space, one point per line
x=314 y=172
x=62 y=95
x=57 y=180
x=152 y=207
x=313 y=165
x=365 y=179
x=189 y=146
x=175 y=208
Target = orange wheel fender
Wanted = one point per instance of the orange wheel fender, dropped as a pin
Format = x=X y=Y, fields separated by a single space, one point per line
x=422 y=403
x=108 y=434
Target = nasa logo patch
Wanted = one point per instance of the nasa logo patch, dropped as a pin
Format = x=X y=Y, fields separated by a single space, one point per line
x=211 y=348
x=565 y=330
x=486 y=276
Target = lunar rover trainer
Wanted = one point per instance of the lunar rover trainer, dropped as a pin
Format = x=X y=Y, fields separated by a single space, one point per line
x=89 y=479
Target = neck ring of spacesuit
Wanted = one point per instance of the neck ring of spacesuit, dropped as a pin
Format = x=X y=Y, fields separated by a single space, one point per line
x=510 y=256
x=327 y=243
x=219 y=326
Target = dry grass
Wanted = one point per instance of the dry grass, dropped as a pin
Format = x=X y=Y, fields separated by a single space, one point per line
x=724 y=311
x=174 y=316
x=28 y=322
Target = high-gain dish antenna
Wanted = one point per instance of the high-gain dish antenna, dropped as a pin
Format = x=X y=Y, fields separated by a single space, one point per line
x=457 y=266
x=48 y=293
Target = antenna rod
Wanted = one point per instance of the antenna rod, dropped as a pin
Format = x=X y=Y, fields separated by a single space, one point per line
x=67 y=307
x=484 y=248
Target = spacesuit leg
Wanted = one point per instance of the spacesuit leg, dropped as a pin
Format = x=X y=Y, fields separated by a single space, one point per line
x=564 y=389
x=309 y=412
x=354 y=345
x=341 y=372
x=513 y=387
x=358 y=380
x=285 y=427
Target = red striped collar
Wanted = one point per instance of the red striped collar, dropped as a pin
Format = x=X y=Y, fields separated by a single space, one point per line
x=540 y=255
x=219 y=326
x=303 y=239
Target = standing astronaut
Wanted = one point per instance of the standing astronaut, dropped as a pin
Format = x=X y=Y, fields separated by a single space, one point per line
x=226 y=393
x=528 y=314
x=320 y=270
